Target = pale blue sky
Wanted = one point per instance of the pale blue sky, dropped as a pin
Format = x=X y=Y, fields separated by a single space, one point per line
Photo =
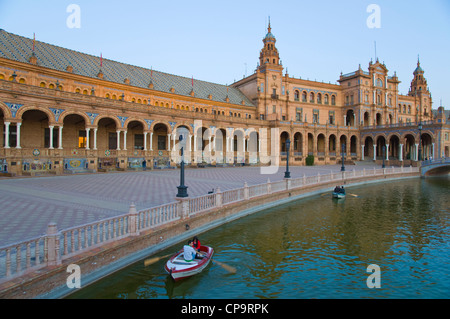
x=220 y=41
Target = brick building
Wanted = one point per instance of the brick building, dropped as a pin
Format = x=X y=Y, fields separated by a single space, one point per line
x=64 y=111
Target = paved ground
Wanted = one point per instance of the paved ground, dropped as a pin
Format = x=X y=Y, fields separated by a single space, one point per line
x=28 y=205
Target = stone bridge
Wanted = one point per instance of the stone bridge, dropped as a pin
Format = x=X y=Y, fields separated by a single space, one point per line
x=435 y=167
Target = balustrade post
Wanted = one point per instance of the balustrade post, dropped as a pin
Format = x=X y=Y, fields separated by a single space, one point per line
x=269 y=186
x=183 y=207
x=133 y=221
x=219 y=198
x=53 y=256
x=246 y=191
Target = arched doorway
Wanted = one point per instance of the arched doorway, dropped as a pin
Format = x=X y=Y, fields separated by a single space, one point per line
x=368 y=148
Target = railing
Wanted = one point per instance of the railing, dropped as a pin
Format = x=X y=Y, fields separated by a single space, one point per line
x=55 y=246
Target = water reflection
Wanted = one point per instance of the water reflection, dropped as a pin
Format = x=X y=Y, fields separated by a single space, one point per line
x=317 y=248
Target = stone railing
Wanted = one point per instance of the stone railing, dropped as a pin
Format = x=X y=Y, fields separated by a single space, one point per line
x=58 y=245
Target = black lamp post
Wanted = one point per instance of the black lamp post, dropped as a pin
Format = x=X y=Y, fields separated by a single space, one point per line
x=287 y=174
x=343 y=158
x=384 y=155
x=182 y=189
x=420 y=141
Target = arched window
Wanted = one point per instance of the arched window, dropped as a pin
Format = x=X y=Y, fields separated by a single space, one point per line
x=311 y=97
x=379 y=83
x=297 y=95
x=304 y=96
x=319 y=98
x=333 y=100
x=326 y=99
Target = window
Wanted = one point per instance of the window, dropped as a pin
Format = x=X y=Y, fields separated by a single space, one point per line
x=319 y=98
x=161 y=143
x=326 y=99
x=331 y=117
x=316 y=116
x=112 y=140
x=139 y=141
x=311 y=97
x=333 y=100
x=379 y=83
x=304 y=97
x=82 y=139
x=297 y=95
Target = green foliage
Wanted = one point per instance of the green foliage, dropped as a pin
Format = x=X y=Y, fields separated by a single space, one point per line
x=310 y=160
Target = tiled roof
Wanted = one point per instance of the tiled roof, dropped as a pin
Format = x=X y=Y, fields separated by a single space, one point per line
x=18 y=48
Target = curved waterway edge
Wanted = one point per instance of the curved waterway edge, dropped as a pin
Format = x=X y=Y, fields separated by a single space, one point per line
x=100 y=273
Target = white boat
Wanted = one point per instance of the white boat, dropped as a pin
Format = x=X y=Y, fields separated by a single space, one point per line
x=178 y=268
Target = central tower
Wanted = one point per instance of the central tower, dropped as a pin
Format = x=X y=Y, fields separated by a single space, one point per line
x=271 y=89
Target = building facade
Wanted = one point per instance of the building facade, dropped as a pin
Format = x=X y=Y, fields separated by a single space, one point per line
x=64 y=111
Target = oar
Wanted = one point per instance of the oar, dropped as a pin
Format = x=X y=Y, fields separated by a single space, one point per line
x=354 y=195
x=153 y=260
x=225 y=266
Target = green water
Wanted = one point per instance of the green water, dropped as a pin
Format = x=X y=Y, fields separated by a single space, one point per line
x=317 y=248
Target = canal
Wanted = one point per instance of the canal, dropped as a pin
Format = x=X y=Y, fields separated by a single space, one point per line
x=316 y=247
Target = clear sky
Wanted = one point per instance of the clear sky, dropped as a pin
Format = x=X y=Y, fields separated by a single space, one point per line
x=220 y=41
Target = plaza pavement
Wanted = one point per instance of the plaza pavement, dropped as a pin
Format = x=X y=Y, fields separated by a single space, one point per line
x=28 y=205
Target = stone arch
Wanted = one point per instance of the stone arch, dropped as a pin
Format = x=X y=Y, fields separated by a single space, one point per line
x=6 y=111
x=114 y=118
x=23 y=109
x=69 y=112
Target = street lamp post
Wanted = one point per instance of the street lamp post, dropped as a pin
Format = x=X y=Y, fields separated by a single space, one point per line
x=182 y=189
x=287 y=174
x=420 y=141
x=343 y=158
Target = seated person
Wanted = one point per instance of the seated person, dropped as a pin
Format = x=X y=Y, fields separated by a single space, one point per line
x=189 y=251
x=197 y=245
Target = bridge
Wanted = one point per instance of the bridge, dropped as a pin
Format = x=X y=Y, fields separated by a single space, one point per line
x=435 y=167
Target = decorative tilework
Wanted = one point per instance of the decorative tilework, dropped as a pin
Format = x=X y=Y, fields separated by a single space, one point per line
x=14 y=108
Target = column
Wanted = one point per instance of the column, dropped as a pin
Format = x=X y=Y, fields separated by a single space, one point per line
x=151 y=141
x=387 y=152
x=118 y=140
x=400 y=153
x=195 y=143
x=432 y=151
x=168 y=141
x=60 y=138
x=362 y=152
x=345 y=120
x=51 y=137
x=88 y=130
x=145 y=141
x=374 y=152
x=7 y=134
x=95 y=138
x=174 y=136
x=416 y=155
x=124 y=140
x=243 y=144
x=190 y=142
x=18 y=134
x=209 y=143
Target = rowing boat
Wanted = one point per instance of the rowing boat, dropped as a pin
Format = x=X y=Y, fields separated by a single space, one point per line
x=178 y=268
x=339 y=192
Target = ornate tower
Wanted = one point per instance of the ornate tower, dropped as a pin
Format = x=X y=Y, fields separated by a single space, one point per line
x=270 y=85
x=269 y=53
x=419 y=89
